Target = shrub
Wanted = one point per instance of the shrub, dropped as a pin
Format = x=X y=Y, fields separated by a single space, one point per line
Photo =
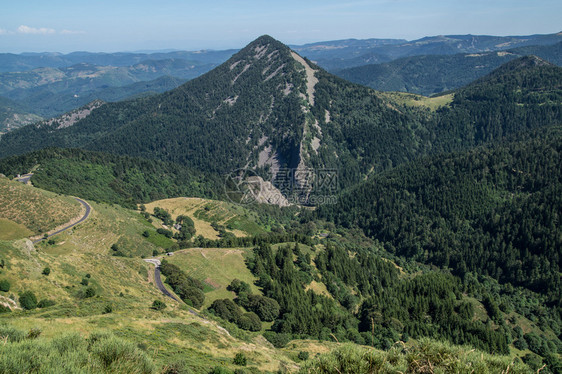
x=33 y=333
x=249 y=321
x=4 y=285
x=303 y=355
x=177 y=367
x=28 y=300
x=240 y=359
x=158 y=305
x=84 y=281
x=278 y=340
x=46 y=271
x=117 y=355
x=108 y=309
x=166 y=233
x=89 y=292
x=220 y=370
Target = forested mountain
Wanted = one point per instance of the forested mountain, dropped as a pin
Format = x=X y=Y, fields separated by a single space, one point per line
x=14 y=115
x=492 y=211
x=289 y=113
x=431 y=74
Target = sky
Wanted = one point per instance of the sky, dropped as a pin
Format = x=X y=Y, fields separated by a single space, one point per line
x=127 y=25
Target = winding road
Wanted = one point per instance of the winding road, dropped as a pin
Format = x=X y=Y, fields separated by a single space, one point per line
x=157 y=278
x=85 y=217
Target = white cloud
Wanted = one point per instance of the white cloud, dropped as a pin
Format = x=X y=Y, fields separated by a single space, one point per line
x=33 y=30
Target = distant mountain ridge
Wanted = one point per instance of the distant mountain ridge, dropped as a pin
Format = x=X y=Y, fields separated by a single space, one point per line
x=337 y=55
x=49 y=84
x=431 y=74
x=29 y=61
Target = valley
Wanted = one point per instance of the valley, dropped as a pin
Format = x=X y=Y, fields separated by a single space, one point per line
x=427 y=237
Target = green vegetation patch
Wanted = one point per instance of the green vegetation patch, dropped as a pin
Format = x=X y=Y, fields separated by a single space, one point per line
x=424 y=357
x=10 y=230
x=217 y=267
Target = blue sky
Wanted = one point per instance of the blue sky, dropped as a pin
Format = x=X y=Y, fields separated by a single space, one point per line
x=126 y=25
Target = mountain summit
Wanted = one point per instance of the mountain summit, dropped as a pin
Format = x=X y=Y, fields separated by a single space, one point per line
x=265 y=109
x=269 y=111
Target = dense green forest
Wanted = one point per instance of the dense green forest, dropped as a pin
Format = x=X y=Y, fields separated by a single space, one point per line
x=359 y=131
x=108 y=178
x=372 y=302
x=493 y=211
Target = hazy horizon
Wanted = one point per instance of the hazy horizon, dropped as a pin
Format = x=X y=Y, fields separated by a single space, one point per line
x=124 y=26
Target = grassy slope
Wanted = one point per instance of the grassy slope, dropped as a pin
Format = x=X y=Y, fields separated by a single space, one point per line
x=409 y=99
x=38 y=210
x=216 y=267
x=123 y=283
x=236 y=219
x=10 y=230
x=422 y=357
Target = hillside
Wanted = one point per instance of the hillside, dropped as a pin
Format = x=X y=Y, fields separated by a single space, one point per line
x=108 y=178
x=291 y=114
x=484 y=211
x=234 y=219
x=521 y=95
x=38 y=211
x=98 y=281
x=119 y=302
x=432 y=74
x=14 y=115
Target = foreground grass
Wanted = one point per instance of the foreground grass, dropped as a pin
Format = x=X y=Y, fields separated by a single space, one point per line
x=71 y=353
x=426 y=356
